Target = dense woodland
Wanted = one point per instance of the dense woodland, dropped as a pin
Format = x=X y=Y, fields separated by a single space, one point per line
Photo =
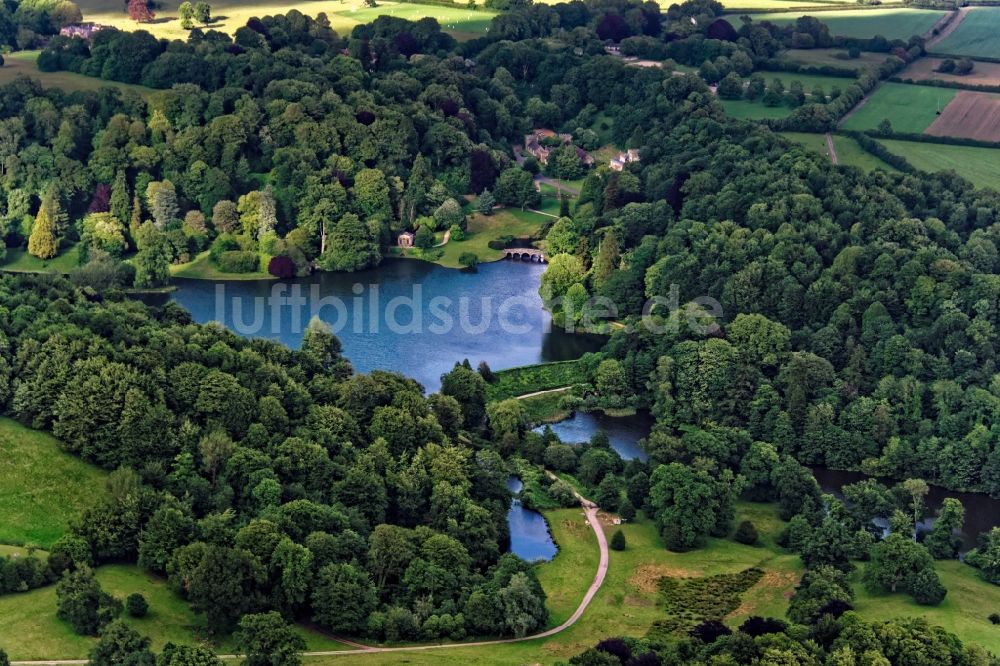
x=859 y=326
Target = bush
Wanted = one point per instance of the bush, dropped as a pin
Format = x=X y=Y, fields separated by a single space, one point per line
x=709 y=631
x=626 y=510
x=562 y=493
x=759 y=626
x=136 y=605
x=618 y=541
x=281 y=267
x=238 y=261
x=468 y=259
x=746 y=533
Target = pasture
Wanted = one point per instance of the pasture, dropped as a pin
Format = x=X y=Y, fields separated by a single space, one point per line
x=42 y=488
x=925 y=69
x=970 y=115
x=981 y=166
x=229 y=15
x=975 y=36
x=831 y=57
x=909 y=108
x=861 y=23
x=790 y=5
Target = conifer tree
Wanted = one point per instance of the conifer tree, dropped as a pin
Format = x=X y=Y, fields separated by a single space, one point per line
x=42 y=242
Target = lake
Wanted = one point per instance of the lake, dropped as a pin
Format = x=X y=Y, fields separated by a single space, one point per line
x=624 y=432
x=982 y=512
x=530 y=538
x=408 y=316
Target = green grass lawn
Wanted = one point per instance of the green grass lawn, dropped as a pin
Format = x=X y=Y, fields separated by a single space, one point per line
x=981 y=166
x=975 y=36
x=229 y=15
x=753 y=110
x=42 y=488
x=790 y=5
x=19 y=261
x=483 y=229
x=24 y=62
x=909 y=108
x=964 y=611
x=861 y=23
x=30 y=630
x=203 y=268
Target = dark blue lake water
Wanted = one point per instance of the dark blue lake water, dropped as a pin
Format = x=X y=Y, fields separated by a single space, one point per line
x=408 y=316
x=529 y=533
x=624 y=432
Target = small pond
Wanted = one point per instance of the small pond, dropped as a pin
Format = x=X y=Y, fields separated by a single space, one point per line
x=529 y=533
x=624 y=432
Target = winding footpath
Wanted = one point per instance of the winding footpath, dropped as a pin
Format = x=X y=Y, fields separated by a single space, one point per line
x=590 y=510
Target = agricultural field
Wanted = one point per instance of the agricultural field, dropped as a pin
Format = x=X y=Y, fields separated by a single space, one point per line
x=909 y=108
x=229 y=15
x=790 y=5
x=925 y=69
x=862 y=23
x=42 y=488
x=24 y=63
x=831 y=57
x=975 y=36
x=981 y=166
x=971 y=115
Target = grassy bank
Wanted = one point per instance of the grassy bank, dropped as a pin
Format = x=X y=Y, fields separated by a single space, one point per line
x=531 y=378
x=203 y=268
x=19 y=261
x=42 y=488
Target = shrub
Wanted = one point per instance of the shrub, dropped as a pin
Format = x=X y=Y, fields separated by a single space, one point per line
x=758 y=626
x=626 y=510
x=618 y=540
x=562 y=493
x=238 y=261
x=746 y=533
x=136 y=605
x=468 y=259
x=709 y=631
x=281 y=267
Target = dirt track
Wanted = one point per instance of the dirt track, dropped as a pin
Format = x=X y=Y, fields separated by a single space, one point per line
x=948 y=29
x=970 y=115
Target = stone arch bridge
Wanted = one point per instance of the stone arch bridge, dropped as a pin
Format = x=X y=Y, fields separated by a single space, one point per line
x=524 y=254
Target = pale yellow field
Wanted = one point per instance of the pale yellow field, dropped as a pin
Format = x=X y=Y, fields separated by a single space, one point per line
x=229 y=15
